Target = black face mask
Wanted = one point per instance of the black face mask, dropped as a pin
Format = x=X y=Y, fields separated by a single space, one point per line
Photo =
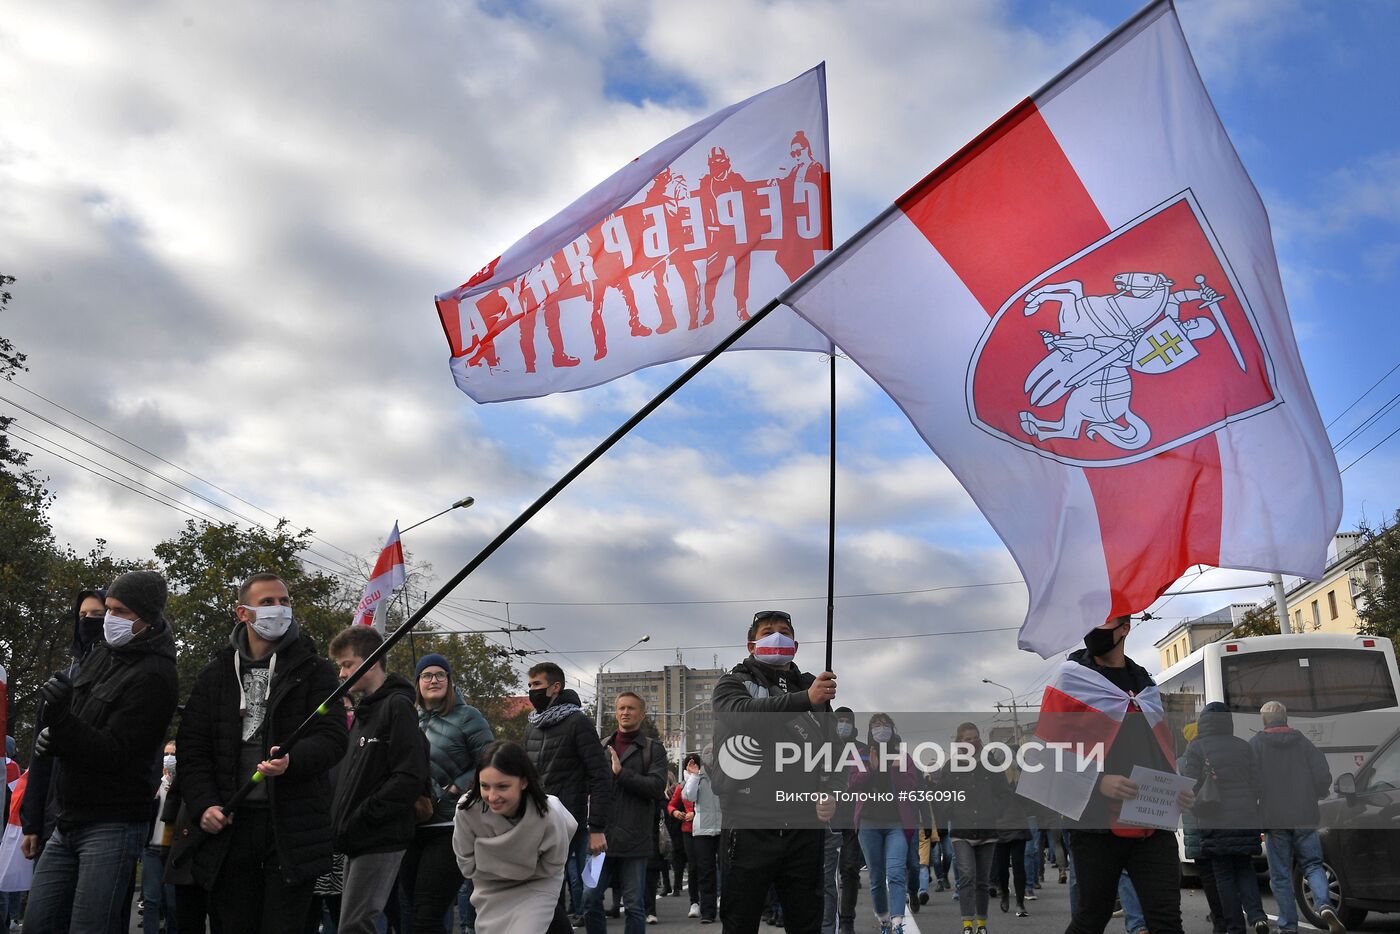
x=89 y=630
x=540 y=699
x=1100 y=642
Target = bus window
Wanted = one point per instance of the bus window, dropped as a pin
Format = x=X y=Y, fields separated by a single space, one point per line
x=1308 y=682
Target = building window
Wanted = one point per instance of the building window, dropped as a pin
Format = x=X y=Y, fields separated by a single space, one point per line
x=1316 y=615
x=1297 y=620
x=1332 y=603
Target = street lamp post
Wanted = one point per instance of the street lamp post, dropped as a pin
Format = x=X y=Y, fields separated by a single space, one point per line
x=1015 y=720
x=462 y=503
x=685 y=727
x=598 y=684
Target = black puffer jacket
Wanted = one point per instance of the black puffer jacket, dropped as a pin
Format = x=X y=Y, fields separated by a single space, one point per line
x=1232 y=828
x=211 y=738
x=572 y=764
x=384 y=774
x=977 y=801
x=109 y=741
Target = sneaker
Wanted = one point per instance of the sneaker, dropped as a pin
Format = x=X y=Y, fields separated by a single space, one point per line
x=1031 y=896
x=694 y=910
x=652 y=919
x=923 y=896
x=885 y=927
x=1062 y=877
x=1262 y=926
x=1334 y=924
x=1005 y=902
x=913 y=902
x=1021 y=912
x=575 y=921
x=707 y=920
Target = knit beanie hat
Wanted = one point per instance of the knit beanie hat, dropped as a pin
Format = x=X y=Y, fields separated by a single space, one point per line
x=143 y=592
x=432 y=660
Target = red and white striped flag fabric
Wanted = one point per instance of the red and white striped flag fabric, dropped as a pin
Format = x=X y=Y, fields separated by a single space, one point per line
x=1081 y=313
x=660 y=261
x=388 y=575
x=1081 y=709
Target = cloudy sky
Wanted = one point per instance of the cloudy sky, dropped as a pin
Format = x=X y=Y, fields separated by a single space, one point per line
x=229 y=221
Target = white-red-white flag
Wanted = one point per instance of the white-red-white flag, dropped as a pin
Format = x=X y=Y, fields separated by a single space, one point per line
x=388 y=575
x=1081 y=314
x=660 y=261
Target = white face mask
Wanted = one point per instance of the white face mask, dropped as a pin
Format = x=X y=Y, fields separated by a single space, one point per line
x=116 y=630
x=169 y=763
x=271 y=622
x=881 y=734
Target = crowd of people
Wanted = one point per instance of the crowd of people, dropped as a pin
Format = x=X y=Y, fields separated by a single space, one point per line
x=402 y=808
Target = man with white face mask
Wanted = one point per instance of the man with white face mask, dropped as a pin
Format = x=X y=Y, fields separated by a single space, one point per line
x=105 y=727
x=765 y=842
x=262 y=862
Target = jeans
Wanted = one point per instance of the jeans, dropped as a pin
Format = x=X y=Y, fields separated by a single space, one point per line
x=1032 y=856
x=1099 y=860
x=1286 y=847
x=573 y=869
x=887 y=857
x=466 y=911
x=973 y=865
x=82 y=877
x=159 y=898
x=1133 y=920
x=631 y=871
x=940 y=857
x=1239 y=891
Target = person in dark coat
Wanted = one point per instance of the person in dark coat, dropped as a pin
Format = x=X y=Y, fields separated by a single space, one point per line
x=379 y=782
x=259 y=865
x=1230 y=827
x=638 y=765
x=1293 y=777
x=1191 y=839
x=38 y=810
x=563 y=743
x=106 y=727
x=977 y=796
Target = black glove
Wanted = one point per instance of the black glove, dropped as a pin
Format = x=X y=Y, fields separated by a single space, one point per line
x=57 y=693
x=42 y=742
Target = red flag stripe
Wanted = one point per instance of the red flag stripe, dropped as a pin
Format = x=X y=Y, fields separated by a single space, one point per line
x=1007 y=207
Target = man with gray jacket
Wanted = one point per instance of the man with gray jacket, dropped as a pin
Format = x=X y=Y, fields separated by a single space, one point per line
x=1293 y=777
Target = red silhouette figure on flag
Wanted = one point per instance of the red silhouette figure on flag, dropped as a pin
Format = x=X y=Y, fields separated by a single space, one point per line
x=797 y=254
x=722 y=193
x=663 y=204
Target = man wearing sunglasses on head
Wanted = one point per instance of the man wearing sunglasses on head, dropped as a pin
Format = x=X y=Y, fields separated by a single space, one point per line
x=765 y=842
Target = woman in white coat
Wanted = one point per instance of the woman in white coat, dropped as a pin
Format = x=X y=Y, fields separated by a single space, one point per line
x=511 y=840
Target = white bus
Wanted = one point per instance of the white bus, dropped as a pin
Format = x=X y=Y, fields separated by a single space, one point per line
x=1340 y=690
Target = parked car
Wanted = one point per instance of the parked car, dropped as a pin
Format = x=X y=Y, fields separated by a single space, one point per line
x=1361 y=841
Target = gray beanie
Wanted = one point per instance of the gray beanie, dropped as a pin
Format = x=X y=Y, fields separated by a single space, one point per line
x=142 y=592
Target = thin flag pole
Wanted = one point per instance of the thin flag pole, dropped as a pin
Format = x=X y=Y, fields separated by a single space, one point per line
x=831 y=526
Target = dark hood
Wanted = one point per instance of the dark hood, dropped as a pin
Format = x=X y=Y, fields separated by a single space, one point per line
x=1281 y=737
x=78 y=648
x=394 y=684
x=1140 y=675
x=567 y=696
x=1215 y=720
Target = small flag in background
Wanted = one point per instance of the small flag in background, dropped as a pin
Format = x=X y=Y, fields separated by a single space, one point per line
x=388 y=575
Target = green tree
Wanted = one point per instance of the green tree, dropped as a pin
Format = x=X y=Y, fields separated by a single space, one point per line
x=1379 y=592
x=205 y=563
x=1259 y=621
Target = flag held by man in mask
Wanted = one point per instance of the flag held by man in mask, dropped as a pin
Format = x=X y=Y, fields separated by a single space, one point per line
x=660 y=261
x=388 y=575
x=1081 y=313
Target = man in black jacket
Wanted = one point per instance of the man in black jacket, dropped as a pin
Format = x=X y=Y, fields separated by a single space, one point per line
x=1293 y=776
x=105 y=727
x=261 y=864
x=38 y=810
x=763 y=842
x=1101 y=848
x=638 y=765
x=384 y=774
x=562 y=742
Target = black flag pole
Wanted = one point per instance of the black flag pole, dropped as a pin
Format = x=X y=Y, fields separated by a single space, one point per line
x=831 y=525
